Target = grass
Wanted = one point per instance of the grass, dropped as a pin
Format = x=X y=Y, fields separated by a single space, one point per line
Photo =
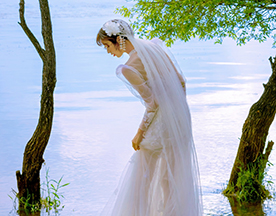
x=53 y=196
x=50 y=197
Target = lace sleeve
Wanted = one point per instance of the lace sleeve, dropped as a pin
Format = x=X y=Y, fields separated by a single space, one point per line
x=147 y=119
x=139 y=87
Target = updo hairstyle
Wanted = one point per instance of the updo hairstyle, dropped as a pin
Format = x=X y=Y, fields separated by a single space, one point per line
x=102 y=35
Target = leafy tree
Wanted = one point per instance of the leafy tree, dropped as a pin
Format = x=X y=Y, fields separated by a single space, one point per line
x=28 y=182
x=170 y=20
x=242 y=20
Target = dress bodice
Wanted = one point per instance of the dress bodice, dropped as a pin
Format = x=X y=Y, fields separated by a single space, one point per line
x=134 y=75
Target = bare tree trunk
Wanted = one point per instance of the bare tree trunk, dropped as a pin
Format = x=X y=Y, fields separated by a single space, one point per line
x=29 y=181
x=255 y=129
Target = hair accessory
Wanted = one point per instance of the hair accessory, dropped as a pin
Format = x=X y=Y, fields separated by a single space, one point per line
x=118 y=27
x=111 y=28
x=122 y=43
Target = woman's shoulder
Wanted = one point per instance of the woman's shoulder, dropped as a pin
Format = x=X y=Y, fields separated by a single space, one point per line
x=135 y=63
x=124 y=69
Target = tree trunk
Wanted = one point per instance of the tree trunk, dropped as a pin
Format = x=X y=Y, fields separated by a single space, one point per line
x=255 y=129
x=28 y=182
x=246 y=209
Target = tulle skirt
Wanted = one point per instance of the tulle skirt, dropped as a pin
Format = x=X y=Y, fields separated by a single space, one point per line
x=152 y=184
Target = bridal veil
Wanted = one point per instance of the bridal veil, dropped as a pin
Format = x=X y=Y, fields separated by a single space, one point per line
x=162 y=180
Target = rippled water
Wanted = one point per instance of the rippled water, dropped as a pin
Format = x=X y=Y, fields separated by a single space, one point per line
x=96 y=116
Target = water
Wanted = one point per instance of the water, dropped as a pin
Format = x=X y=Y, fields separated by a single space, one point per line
x=95 y=115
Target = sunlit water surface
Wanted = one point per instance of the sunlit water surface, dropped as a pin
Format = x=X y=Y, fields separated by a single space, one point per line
x=95 y=115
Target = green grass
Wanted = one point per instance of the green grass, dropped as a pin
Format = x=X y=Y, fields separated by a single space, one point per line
x=50 y=197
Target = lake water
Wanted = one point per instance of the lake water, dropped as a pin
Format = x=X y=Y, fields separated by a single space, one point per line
x=95 y=115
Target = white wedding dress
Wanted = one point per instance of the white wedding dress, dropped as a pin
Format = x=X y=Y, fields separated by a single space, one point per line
x=161 y=179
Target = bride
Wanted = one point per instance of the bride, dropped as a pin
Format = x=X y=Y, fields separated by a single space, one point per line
x=162 y=177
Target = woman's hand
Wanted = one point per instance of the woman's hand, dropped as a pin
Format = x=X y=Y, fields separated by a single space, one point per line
x=137 y=139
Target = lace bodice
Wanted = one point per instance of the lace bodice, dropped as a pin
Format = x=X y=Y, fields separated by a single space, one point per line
x=135 y=77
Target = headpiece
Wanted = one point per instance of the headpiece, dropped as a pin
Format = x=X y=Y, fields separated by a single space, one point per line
x=117 y=27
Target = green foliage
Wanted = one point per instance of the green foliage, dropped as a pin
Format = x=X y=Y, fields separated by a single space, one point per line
x=53 y=196
x=253 y=183
x=207 y=19
x=50 y=201
x=28 y=207
x=250 y=186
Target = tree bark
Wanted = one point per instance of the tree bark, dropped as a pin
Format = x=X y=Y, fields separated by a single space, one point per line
x=246 y=209
x=28 y=182
x=255 y=129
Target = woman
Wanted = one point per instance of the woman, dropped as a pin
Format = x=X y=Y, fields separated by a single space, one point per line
x=162 y=178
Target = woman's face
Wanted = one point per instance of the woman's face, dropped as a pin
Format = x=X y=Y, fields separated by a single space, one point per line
x=111 y=48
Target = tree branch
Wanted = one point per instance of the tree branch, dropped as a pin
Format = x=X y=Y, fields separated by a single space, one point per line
x=268 y=150
x=28 y=32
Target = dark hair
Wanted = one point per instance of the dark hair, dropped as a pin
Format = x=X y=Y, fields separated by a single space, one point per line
x=102 y=35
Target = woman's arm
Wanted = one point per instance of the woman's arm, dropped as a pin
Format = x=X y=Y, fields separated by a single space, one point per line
x=139 y=84
x=137 y=139
x=181 y=80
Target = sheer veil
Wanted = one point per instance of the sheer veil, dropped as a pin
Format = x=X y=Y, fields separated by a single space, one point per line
x=180 y=154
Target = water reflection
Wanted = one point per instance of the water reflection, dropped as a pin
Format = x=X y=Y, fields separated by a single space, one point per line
x=253 y=209
x=23 y=213
x=96 y=117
